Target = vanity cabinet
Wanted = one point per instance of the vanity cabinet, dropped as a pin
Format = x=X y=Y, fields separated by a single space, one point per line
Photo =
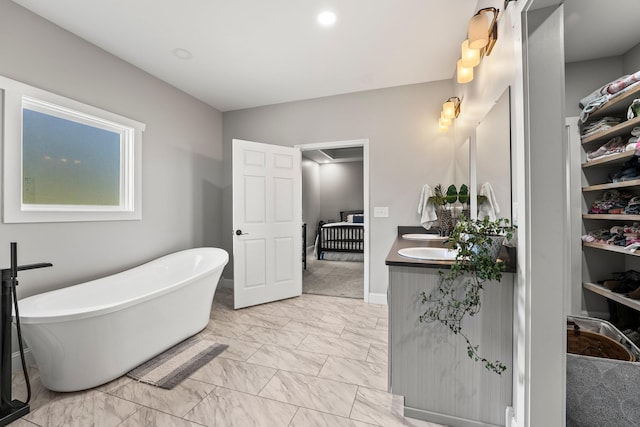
x=601 y=259
x=429 y=366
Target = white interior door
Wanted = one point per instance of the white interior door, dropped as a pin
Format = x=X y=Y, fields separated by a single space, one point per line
x=267 y=223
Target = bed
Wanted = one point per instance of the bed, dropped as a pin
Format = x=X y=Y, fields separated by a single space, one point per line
x=343 y=239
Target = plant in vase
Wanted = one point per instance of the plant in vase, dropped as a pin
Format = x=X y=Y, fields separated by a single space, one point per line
x=458 y=293
x=463 y=198
x=443 y=201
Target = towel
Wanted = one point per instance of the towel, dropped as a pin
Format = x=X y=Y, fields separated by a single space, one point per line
x=489 y=208
x=427 y=209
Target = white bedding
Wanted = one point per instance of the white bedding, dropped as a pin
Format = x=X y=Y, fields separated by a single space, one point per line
x=337 y=224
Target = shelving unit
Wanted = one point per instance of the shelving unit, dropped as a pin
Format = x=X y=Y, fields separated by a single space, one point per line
x=601 y=290
x=612 y=217
x=606 y=161
x=621 y=129
x=616 y=105
x=611 y=185
x=610 y=248
x=594 y=173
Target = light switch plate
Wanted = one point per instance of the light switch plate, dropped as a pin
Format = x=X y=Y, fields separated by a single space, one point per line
x=381 y=212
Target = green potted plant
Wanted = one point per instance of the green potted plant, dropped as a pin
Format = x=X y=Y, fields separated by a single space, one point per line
x=458 y=292
x=441 y=200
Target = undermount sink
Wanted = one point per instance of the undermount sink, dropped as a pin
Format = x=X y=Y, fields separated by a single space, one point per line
x=423 y=236
x=439 y=254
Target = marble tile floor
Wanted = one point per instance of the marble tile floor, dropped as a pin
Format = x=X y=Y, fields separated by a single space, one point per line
x=282 y=368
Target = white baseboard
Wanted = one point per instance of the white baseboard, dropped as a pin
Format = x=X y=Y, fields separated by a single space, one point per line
x=373 y=297
x=510 y=417
x=377 y=298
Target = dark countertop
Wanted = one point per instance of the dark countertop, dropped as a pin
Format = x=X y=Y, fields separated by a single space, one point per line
x=394 y=259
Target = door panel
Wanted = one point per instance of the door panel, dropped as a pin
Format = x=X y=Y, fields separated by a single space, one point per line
x=267 y=221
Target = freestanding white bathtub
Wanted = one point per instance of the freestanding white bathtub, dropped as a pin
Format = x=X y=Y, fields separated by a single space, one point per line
x=86 y=335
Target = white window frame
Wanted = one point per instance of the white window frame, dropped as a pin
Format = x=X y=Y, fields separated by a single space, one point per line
x=16 y=97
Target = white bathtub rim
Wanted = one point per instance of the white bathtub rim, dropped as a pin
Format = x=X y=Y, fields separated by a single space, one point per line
x=103 y=309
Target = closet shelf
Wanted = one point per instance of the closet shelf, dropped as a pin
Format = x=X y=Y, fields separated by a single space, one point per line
x=601 y=290
x=609 y=248
x=610 y=160
x=621 y=129
x=612 y=217
x=617 y=105
x=611 y=185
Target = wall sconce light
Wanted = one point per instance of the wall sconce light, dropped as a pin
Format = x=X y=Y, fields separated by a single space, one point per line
x=450 y=111
x=481 y=35
x=470 y=57
x=465 y=74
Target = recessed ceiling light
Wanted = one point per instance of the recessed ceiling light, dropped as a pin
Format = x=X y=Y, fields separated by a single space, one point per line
x=327 y=18
x=182 y=53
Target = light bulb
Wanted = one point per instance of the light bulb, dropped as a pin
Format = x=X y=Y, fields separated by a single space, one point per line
x=465 y=74
x=327 y=18
x=448 y=110
x=445 y=120
x=470 y=57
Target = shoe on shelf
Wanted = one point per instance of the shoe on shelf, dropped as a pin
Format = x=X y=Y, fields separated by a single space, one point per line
x=611 y=284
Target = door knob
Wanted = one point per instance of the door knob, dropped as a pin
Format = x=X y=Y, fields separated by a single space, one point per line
x=240 y=233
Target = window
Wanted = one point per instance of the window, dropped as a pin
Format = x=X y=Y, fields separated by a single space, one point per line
x=67 y=161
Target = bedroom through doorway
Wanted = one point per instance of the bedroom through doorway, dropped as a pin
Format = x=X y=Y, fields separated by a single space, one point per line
x=334 y=211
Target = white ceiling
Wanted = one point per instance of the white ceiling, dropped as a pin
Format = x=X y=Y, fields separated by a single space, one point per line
x=247 y=53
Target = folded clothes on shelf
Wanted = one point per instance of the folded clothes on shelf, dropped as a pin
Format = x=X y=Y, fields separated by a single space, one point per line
x=613 y=146
x=627 y=236
x=633 y=206
x=612 y=202
x=601 y=125
x=604 y=94
x=628 y=171
x=634 y=109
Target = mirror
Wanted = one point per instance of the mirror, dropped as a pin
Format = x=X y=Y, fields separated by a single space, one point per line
x=463 y=172
x=493 y=159
x=461 y=166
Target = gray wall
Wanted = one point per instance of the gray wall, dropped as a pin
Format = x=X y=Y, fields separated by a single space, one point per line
x=584 y=77
x=310 y=197
x=341 y=189
x=181 y=165
x=406 y=149
x=545 y=203
x=631 y=60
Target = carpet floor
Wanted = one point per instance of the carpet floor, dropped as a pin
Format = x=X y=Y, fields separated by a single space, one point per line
x=333 y=278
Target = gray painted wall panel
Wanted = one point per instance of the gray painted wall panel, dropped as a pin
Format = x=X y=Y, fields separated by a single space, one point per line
x=429 y=366
x=546 y=218
x=310 y=197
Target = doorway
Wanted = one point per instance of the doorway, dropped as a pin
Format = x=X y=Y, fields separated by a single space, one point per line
x=335 y=150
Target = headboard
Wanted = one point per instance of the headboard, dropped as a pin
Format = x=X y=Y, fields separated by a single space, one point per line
x=344 y=214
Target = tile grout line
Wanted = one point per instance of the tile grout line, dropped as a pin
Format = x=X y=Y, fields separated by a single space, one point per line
x=141 y=405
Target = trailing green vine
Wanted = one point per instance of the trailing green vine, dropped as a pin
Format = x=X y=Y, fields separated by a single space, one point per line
x=458 y=293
